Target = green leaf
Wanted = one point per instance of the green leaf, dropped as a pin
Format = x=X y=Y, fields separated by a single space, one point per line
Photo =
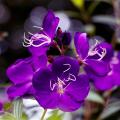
x=94 y=97
x=7 y=116
x=17 y=108
x=55 y=115
x=78 y=3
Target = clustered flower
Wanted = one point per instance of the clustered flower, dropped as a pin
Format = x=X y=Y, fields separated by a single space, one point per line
x=61 y=81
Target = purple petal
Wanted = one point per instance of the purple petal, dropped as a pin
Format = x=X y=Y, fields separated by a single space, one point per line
x=20 y=90
x=21 y=71
x=68 y=104
x=79 y=89
x=103 y=83
x=37 y=51
x=97 y=67
x=81 y=44
x=44 y=95
x=39 y=61
x=65 y=65
x=47 y=19
x=75 y=94
x=50 y=23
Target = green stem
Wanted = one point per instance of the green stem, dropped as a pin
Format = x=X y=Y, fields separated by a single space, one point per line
x=43 y=115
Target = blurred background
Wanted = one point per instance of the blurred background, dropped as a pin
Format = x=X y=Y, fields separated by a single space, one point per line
x=99 y=18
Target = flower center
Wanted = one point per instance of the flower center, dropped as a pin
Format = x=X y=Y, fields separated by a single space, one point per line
x=60 y=88
x=61 y=85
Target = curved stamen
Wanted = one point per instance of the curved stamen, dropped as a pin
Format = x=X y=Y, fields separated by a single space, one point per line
x=94 y=51
x=52 y=86
x=26 y=45
x=103 y=53
x=26 y=42
x=71 y=77
x=45 y=40
x=69 y=66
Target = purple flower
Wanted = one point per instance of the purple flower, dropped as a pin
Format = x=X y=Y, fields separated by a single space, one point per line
x=111 y=79
x=95 y=57
x=60 y=86
x=39 y=42
x=21 y=74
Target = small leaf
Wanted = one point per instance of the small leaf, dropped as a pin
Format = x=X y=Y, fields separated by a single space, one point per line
x=17 y=108
x=55 y=115
x=94 y=97
x=7 y=116
x=78 y=3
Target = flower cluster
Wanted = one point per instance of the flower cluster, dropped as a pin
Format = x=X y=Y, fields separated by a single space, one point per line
x=61 y=80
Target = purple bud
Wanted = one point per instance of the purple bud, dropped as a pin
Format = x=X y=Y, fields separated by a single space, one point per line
x=66 y=38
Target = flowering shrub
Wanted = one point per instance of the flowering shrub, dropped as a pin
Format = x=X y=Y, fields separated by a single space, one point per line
x=62 y=81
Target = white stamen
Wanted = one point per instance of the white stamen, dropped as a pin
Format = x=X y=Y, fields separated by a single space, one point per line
x=52 y=87
x=26 y=41
x=45 y=40
x=69 y=66
x=71 y=77
x=94 y=51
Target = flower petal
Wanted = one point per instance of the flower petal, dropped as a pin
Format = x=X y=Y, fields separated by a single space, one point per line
x=79 y=89
x=103 y=83
x=75 y=94
x=64 y=65
x=37 y=51
x=43 y=93
x=81 y=44
x=39 y=61
x=68 y=104
x=97 y=67
x=21 y=71
x=20 y=90
x=50 y=24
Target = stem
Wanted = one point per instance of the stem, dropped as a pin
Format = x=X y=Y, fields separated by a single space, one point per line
x=43 y=115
